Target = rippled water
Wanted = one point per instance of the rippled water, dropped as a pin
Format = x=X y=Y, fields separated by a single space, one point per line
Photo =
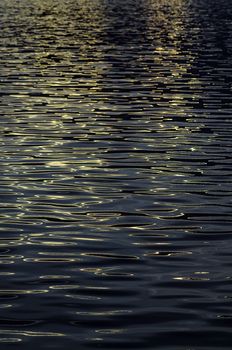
x=116 y=174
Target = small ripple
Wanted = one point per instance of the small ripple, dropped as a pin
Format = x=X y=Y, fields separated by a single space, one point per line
x=168 y=253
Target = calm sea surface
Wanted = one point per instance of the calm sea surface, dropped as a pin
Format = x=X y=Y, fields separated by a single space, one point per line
x=116 y=174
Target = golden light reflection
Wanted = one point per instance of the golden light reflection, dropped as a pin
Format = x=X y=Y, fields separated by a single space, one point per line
x=22 y=291
x=191 y=278
x=31 y=333
x=111 y=331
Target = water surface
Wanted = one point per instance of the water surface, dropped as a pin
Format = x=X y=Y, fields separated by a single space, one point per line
x=115 y=174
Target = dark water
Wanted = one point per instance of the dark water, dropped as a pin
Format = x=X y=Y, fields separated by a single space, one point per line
x=116 y=174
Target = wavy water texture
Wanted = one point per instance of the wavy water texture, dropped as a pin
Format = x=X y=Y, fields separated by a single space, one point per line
x=115 y=174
